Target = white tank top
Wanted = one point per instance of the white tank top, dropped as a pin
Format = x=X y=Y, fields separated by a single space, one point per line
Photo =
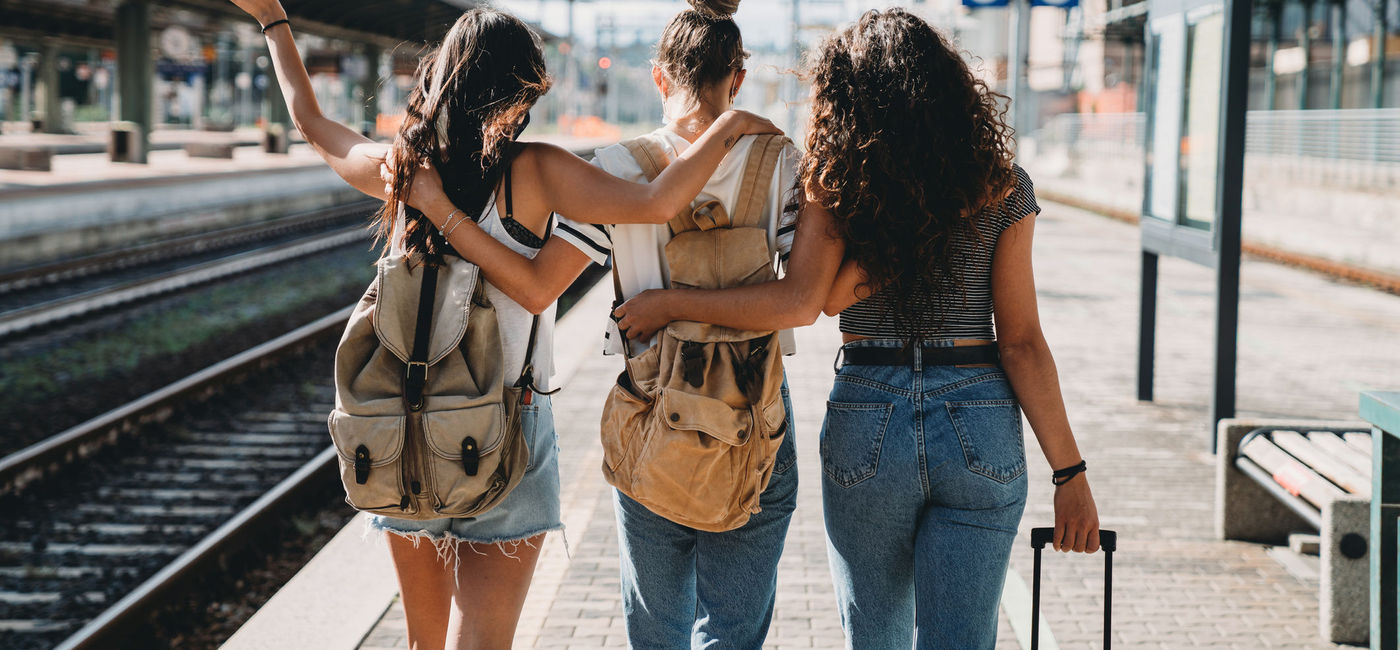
x=514 y=320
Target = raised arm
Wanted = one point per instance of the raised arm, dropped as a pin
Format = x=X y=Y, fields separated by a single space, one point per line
x=588 y=194
x=1026 y=358
x=352 y=156
x=794 y=300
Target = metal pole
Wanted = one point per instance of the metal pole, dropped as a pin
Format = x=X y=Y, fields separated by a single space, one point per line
x=1016 y=64
x=369 y=90
x=1305 y=43
x=48 y=72
x=1339 y=52
x=1378 y=64
x=796 y=88
x=1147 y=326
x=1275 y=18
x=135 y=70
x=1228 y=209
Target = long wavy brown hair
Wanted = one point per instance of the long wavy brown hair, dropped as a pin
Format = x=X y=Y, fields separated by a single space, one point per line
x=905 y=147
x=472 y=97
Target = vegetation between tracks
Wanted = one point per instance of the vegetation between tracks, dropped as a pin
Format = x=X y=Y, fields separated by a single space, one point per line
x=56 y=384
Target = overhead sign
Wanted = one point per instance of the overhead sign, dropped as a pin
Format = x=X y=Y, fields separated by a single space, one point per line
x=1063 y=4
x=979 y=4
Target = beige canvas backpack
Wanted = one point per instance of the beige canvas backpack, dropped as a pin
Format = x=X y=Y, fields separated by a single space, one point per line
x=693 y=426
x=425 y=423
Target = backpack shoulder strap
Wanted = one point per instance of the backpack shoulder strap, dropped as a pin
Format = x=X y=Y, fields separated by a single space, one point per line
x=758 y=178
x=649 y=155
x=653 y=159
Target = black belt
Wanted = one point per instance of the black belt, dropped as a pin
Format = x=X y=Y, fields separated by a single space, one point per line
x=964 y=355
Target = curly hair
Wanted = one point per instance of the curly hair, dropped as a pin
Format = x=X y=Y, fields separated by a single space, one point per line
x=472 y=97
x=905 y=147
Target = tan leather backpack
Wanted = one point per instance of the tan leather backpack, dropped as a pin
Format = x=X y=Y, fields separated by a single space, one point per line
x=693 y=426
x=425 y=424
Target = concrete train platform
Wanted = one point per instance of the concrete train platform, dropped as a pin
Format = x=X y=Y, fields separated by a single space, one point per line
x=1177 y=585
x=87 y=203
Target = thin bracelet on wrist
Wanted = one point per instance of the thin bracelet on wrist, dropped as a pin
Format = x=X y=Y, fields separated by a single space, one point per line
x=276 y=23
x=1064 y=475
x=444 y=229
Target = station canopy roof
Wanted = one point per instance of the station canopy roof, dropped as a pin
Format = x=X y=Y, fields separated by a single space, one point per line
x=381 y=21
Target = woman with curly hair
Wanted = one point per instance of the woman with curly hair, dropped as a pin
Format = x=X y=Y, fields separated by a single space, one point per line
x=909 y=178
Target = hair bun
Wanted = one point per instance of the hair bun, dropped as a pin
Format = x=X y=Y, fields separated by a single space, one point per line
x=715 y=9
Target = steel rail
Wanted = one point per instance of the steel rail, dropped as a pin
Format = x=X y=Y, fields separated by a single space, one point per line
x=51 y=272
x=63 y=309
x=46 y=456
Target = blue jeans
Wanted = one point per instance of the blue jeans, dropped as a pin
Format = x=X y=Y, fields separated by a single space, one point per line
x=923 y=485
x=686 y=588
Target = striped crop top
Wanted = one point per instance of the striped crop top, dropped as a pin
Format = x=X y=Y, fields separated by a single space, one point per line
x=955 y=316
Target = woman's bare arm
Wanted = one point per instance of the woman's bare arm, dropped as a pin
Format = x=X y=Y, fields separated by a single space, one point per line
x=585 y=193
x=848 y=289
x=1026 y=358
x=794 y=300
x=352 y=156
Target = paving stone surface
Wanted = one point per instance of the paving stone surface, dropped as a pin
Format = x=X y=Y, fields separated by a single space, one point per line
x=1307 y=346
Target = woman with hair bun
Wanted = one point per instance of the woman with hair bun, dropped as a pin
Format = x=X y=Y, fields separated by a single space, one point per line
x=471 y=100
x=681 y=587
x=908 y=176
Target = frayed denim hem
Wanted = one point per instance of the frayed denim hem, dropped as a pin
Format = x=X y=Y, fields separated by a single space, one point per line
x=448 y=544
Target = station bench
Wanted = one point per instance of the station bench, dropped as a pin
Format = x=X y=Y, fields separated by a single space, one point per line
x=222 y=150
x=30 y=158
x=1276 y=479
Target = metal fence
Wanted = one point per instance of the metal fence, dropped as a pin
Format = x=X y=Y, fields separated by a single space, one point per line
x=1356 y=148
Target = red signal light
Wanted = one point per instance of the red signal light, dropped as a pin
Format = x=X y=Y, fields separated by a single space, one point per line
x=604 y=63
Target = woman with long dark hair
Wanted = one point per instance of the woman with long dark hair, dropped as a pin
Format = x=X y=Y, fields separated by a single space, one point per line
x=471 y=100
x=681 y=587
x=909 y=178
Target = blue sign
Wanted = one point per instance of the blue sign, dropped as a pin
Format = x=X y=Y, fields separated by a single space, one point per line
x=979 y=4
x=1063 y=4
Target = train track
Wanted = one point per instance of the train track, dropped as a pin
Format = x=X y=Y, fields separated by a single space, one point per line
x=111 y=520
x=50 y=293
x=86 y=558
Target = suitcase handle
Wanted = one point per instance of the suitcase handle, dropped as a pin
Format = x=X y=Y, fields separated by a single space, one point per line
x=1108 y=541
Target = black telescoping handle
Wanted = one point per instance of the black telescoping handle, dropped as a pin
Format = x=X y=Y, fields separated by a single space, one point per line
x=1108 y=542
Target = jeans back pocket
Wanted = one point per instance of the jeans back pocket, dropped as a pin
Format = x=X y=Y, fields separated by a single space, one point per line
x=851 y=438
x=990 y=434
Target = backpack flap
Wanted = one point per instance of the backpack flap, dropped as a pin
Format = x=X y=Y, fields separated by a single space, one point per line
x=396 y=314
x=719 y=258
x=687 y=330
x=684 y=411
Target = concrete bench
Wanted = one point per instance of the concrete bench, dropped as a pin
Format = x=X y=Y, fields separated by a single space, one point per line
x=30 y=159
x=126 y=143
x=1276 y=479
x=222 y=150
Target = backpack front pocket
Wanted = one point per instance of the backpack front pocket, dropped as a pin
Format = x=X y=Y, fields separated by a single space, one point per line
x=687 y=464
x=467 y=449
x=370 y=451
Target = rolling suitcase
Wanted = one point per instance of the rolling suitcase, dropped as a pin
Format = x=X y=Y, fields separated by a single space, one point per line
x=1108 y=542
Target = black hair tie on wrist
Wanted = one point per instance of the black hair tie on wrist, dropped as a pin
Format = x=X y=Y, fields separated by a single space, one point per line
x=275 y=23
x=1062 y=476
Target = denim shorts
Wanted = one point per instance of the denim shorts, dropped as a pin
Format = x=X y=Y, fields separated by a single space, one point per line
x=530 y=509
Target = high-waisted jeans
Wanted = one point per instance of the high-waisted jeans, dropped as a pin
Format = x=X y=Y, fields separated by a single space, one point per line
x=923 y=488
